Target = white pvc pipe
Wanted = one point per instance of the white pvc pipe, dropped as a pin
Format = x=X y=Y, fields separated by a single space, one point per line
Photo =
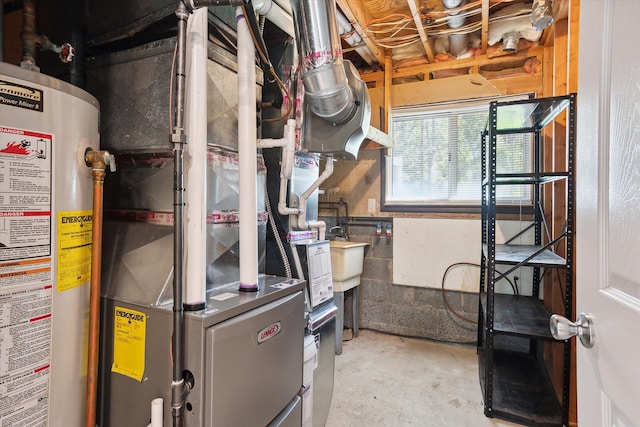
x=289 y=149
x=196 y=160
x=276 y=15
x=286 y=5
x=302 y=214
x=286 y=170
x=272 y=142
x=280 y=14
x=156 y=412
x=247 y=156
x=286 y=167
x=344 y=27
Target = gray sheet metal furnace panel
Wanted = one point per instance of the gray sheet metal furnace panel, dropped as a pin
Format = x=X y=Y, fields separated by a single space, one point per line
x=114 y=19
x=133 y=88
x=325 y=336
x=138 y=244
x=125 y=401
x=265 y=376
x=290 y=416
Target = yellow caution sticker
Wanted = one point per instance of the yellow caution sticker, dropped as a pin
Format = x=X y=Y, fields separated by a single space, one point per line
x=129 y=335
x=74 y=248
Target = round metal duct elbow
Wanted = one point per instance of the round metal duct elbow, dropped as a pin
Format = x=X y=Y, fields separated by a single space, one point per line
x=329 y=93
x=325 y=82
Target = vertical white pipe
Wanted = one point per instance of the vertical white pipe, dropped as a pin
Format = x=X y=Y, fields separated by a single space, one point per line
x=274 y=13
x=344 y=27
x=286 y=5
x=302 y=209
x=196 y=161
x=157 y=412
x=286 y=167
x=247 y=155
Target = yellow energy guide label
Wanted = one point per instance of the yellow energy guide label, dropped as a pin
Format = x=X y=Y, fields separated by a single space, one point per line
x=129 y=335
x=74 y=248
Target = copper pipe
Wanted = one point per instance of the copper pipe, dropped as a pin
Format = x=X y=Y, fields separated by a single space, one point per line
x=31 y=40
x=28 y=33
x=98 y=161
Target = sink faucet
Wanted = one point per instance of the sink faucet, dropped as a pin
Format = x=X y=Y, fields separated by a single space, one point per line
x=339 y=232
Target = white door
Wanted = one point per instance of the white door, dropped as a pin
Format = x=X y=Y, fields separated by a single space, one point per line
x=608 y=212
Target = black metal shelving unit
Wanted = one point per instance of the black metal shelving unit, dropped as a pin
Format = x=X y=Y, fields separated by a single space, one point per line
x=513 y=329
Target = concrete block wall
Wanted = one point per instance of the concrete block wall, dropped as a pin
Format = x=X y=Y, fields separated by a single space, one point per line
x=405 y=310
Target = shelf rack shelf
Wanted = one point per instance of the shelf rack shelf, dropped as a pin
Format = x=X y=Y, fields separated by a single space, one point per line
x=513 y=329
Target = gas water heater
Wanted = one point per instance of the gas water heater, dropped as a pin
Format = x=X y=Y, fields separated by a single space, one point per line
x=46 y=125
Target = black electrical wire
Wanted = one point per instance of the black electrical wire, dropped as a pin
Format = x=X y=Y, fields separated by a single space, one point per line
x=444 y=295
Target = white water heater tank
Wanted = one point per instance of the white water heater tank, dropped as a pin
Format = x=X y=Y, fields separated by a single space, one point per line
x=45 y=247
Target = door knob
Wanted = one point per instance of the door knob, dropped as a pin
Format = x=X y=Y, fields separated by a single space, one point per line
x=563 y=329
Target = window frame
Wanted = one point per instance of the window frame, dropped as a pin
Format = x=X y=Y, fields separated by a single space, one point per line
x=446 y=207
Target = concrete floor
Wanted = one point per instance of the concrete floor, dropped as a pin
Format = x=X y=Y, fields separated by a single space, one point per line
x=387 y=380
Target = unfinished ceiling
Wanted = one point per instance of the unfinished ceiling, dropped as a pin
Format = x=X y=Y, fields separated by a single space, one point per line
x=417 y=39
x=415 y=32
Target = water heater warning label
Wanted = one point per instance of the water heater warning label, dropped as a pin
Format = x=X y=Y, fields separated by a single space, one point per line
x=129 y=335
x=25 y=194
x=25 y=354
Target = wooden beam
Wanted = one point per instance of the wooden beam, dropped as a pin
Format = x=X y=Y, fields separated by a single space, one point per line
x=377 y=139
x=355 y=12
x=485 y=25
x=415 y=12
x=467 y=62
x=388 y=81
x=574 y=31
x=560 y=12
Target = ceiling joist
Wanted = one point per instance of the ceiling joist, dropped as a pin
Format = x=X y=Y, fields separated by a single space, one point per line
x=415 y=12
x=485 y=26
x=356 y=14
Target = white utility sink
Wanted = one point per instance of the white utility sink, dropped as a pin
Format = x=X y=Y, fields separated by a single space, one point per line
x=346 y=264
x=346 y=267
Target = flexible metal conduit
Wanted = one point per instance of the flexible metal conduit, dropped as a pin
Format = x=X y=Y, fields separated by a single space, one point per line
x=98 y=161
x=323 y=75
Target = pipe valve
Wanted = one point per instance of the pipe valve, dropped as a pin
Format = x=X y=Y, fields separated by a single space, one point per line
x=100 y=160
x=66 y=54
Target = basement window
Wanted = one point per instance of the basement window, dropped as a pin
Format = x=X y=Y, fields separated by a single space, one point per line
x=435 y=165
